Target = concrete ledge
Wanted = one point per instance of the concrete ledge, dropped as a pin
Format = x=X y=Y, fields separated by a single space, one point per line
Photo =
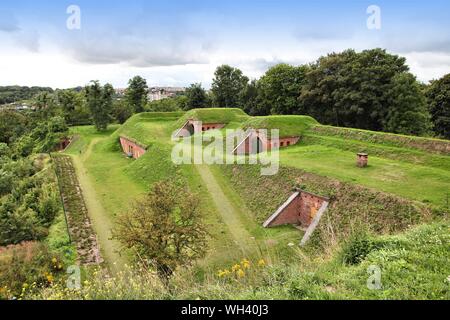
x=314 y=223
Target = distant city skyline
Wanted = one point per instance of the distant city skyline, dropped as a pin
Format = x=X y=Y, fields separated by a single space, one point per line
x=176 y=43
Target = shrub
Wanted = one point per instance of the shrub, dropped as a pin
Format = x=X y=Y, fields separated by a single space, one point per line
x=357 y=247
x=24 y=266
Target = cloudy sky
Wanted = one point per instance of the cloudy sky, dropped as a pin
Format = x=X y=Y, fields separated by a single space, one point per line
x=179 y=42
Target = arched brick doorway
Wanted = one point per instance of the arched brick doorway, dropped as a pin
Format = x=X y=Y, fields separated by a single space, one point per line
x=190 y=128
x=259 y=145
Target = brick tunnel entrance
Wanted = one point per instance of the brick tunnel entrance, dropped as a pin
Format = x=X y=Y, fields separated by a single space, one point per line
x=303 y=210
x=300 y=210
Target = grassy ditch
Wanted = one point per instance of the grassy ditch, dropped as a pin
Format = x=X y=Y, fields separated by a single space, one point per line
x=79 y=225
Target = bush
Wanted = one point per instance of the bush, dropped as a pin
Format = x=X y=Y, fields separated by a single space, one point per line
x=25 y=266
x=357 y=248
x=4 y=150
x=19 y=224
x=48 y=209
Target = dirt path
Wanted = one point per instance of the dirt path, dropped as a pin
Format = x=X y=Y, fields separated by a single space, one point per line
x=229 y=214
x=101 y=221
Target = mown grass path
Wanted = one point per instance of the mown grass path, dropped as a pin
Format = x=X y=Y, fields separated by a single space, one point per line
x=101 y=220
x=230 y=216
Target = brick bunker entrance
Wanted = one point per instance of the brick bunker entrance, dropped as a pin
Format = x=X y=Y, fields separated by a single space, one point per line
x=132 y=148
x=193 y=126
x=302 y=209
x=256 y=141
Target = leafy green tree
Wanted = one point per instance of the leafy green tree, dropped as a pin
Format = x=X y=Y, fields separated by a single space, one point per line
x=19 y=224
x=407 y=112
x=351 y=89
x=122 y=111
x=12 y=125
x=5 y=151
x=227 y=86
x=168 y=104
x=73 y=108
x=279 y=88
x=99 y=102
x=46 y=105
x=137 y=93
x=249 y=100
x=164 y=228
x=24 y=146
x=438 y=96
x=196 y=97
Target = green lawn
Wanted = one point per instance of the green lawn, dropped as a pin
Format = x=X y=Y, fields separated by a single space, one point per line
x=413 y=181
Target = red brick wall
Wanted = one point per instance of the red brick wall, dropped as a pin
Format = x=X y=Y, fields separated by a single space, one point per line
x=212 y=126
x=130 y=147
x=289 y=214
x=267 y=144
x=301 y=211
x=309 y=205
x=283 y=142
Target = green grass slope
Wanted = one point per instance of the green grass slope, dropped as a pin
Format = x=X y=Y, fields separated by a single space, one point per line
x=438 y=146
x=289 y=126
x=213 y=115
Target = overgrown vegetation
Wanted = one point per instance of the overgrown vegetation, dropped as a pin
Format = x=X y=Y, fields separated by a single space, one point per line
x=164 y=229
x=32 y=234
x=79 y=224
x=401 y=258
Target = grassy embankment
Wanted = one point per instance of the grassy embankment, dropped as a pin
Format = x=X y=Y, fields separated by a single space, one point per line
x=413 y=265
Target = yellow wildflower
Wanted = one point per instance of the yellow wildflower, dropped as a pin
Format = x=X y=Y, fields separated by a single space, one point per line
x=50 y=278
x=236 y=267
x=245 y=264
x=261 y=263
x=223 y=273
x=240 y=273
x=54 y=260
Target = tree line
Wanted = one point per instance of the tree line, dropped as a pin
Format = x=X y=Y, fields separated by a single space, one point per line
x=371 y=90
x=10 y=94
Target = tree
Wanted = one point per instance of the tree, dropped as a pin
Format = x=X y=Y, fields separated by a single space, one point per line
x=137 y=93
x=5 y=151
x=122 y=111
x=351 y=89
x=73 y=109
x=279 y=88
x=438 y=97
x=99 y=102
x=164 y=228
x=46 y=106
x=249 y=99
x=196 y=97
x=407 y=112
x=227 y=85
x=168 y=104
x=12 y=125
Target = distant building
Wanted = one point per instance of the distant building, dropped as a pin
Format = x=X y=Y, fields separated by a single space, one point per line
x=120 y=91
x=159 y=93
